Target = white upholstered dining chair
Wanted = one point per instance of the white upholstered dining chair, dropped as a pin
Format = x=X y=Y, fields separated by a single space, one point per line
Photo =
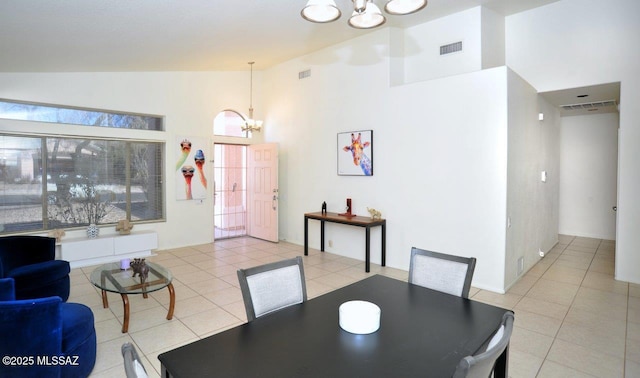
x=438 y=271
x=482 y=365
x=133 y=367
x=271 y=287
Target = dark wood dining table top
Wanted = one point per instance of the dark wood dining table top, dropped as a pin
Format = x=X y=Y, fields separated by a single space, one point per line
x=422 y=333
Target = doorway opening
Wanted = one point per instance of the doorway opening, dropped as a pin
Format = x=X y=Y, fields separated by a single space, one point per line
x=230 y=191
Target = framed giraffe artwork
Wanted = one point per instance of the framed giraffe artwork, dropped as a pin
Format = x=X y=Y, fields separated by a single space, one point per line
x=355 y=153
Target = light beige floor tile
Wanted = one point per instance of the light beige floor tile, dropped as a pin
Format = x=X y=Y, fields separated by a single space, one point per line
x=533 y=343
x=210 y=321
x=225 y=296
x=605 y=304
x=109 y=353
x=605 y=343
x=633 y=350
x=108 y=330
x=586 y=360
x=631 y=369
x=566 y=274
x=523 y=285
x=553 y=291
x=507 y=301
x=603 y=265
x=634 y=310
x=315 y=289
x=191 y=306
x=192 y=278
x=336 y=280
x=541 y=324
x=585 y=242
x=523 y=365
x=634 y=290
x=537 y=306
x=163 y=336
x=604 y=282
x=633 y=331
x=551 y=369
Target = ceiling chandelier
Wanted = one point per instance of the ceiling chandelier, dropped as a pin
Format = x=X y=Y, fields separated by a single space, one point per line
x=366 y=13
x=251 y=124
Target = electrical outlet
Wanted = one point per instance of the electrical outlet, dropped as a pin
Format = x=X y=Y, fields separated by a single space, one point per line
x=330 y=243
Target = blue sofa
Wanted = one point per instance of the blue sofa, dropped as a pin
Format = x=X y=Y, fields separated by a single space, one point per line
x=30 y=261
x=44 y=337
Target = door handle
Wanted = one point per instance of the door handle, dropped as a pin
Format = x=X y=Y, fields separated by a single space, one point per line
x=615 y=208
x=273 y=202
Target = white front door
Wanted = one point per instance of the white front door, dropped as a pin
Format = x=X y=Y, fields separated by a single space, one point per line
x=262 y=180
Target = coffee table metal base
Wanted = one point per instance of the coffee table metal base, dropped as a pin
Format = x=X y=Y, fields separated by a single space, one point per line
x=125 y=298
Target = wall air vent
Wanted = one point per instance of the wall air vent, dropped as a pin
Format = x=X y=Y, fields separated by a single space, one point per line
x=304 y=74
x=451 y=48
x=589 y=105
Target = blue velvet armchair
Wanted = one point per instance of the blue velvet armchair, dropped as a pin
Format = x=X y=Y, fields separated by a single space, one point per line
x=30 y=261
x=44 y=337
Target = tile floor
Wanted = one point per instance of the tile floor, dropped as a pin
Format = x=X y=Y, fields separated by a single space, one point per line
x=572 y=318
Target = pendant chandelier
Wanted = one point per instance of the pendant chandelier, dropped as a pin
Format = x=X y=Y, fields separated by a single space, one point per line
x=251 y=124
x=366 y=14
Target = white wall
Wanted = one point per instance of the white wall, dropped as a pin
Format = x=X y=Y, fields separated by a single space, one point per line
x=188 y=100
x=575 y=43
x=422 y=59
x=492 y=41
x=439 y=155
x=588 y=175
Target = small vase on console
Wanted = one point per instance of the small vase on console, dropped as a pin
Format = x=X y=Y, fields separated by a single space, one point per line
x=93 y=231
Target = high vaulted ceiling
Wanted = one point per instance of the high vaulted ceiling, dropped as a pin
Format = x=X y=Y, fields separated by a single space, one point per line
x=183 y=35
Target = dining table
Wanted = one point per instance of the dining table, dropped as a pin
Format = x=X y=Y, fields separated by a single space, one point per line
x=422 y=333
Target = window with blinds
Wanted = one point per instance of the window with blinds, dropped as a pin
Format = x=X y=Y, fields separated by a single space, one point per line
x=64 y=182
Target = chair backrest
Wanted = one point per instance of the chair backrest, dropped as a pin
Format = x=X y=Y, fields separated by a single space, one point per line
x=31 y=327
x=438 y=271
x=271 y=287
x=133 y=367
x=22 y=250
x=481 y=365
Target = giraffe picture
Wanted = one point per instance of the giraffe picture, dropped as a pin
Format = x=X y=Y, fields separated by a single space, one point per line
x=355 y=153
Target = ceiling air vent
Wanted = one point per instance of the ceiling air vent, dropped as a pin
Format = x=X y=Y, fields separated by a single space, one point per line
x=451 y=48
x=589 y=105
x=304 y=74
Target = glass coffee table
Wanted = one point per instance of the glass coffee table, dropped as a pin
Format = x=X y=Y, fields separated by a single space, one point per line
x=109 y=277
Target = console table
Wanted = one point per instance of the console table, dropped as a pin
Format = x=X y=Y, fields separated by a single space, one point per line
x=358 y=221
x=84 y=251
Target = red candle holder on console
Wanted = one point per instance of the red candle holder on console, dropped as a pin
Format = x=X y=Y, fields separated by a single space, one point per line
x=348 y=213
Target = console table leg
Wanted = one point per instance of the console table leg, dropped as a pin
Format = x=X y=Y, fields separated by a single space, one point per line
x=384 y=244
x=367 y=256
x=172 y=301
x=125 y=322
x=322 y=236
x=306 y=236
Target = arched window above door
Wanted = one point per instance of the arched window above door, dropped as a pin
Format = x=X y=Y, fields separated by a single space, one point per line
x=229 y=123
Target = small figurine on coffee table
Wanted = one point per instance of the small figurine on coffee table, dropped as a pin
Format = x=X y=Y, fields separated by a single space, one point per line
x=139 y=267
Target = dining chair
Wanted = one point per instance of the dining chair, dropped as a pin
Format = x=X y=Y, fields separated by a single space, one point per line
x=482 y=365
x=133 y=367
x=438 y=271
x=271 y=287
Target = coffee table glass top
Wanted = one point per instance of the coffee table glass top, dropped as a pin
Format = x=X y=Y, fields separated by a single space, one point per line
x=111 y=278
